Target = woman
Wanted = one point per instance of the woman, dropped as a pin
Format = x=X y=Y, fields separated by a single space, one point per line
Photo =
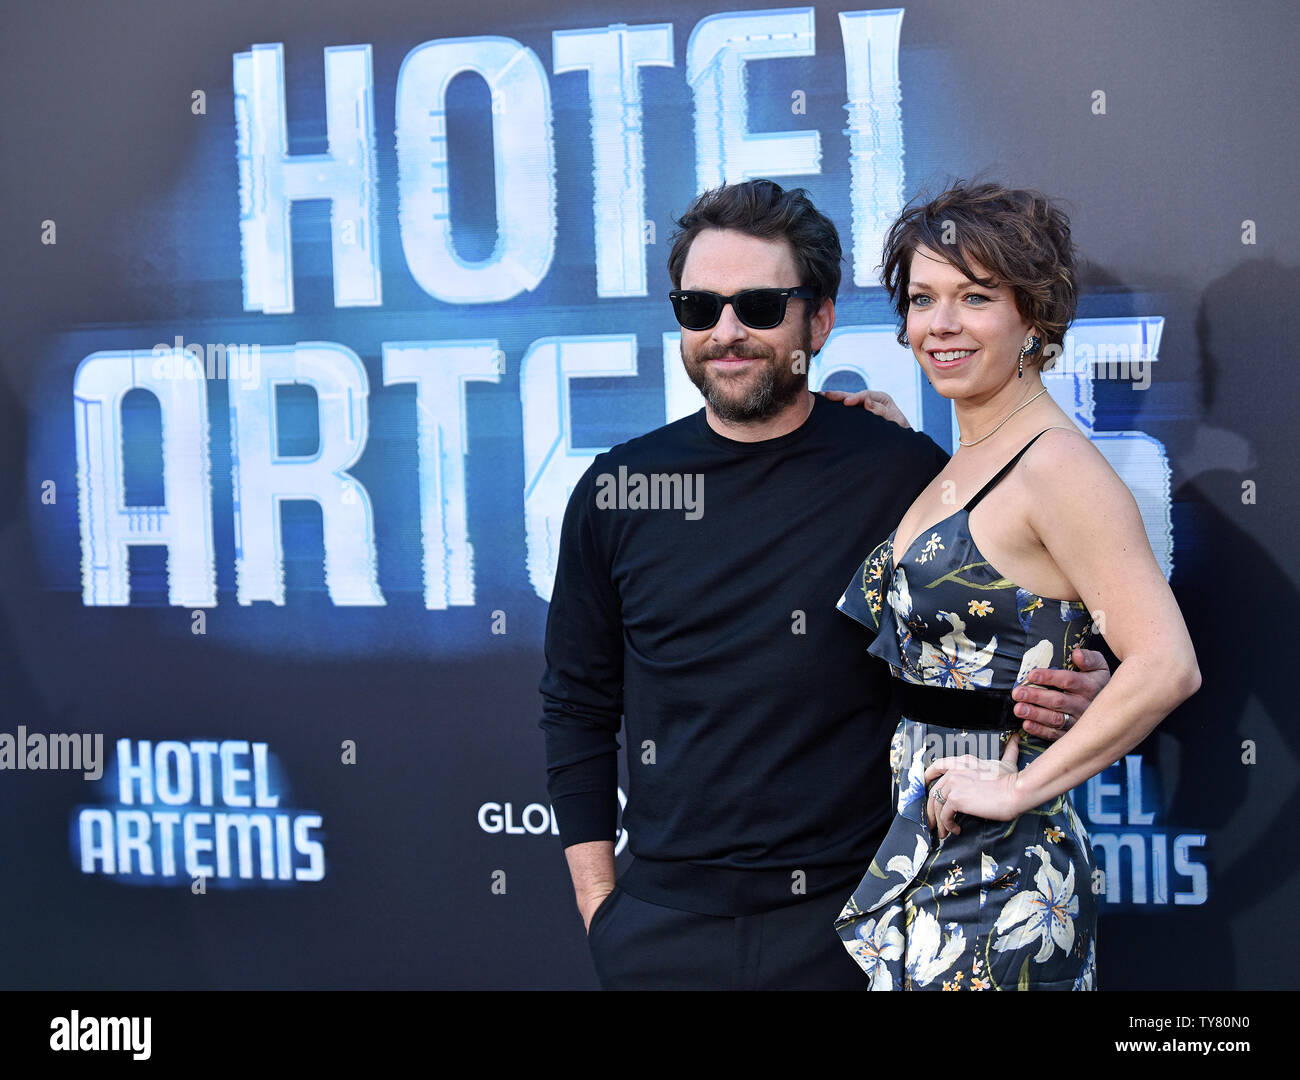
x=1024 y=545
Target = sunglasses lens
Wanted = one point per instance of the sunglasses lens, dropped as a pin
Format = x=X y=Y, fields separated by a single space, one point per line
x=760 y=309
x=696 y=310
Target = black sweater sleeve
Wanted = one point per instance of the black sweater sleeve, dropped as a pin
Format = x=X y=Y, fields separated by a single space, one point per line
x=582 y=689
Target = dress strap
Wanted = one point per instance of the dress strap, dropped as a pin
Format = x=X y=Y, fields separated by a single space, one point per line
x=1003 y=471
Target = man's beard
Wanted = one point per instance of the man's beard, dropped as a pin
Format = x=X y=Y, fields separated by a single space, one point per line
x=773 y=387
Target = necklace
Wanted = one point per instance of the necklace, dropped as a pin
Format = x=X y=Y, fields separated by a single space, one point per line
x=963 y=442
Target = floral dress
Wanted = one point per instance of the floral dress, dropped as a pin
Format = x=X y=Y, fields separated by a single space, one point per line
x=1002 y=905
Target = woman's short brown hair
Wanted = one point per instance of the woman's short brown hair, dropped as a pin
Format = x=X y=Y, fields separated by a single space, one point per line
x=1017 y=235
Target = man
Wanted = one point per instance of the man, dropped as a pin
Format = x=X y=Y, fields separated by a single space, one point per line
x=757 y=728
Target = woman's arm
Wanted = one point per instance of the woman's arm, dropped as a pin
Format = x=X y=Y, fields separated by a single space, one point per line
x=1099 y=542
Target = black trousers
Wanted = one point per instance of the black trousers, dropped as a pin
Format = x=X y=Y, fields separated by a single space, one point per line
x=636 y=945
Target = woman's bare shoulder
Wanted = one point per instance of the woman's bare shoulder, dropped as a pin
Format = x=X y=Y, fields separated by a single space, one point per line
x=1065 y=471
x=1062 y=445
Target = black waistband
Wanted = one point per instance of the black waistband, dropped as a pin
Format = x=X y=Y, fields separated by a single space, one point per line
x=966 y=710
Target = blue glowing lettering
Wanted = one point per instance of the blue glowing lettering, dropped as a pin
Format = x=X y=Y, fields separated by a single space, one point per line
x=270 y=180
x=720 y=46
x=552 y=464
x=1135 y=862
x=612 y=57
x=440 y=372
x=262 y=478
x=244 y=836
x=875 y=131
x=524 y=162
x=108 y=525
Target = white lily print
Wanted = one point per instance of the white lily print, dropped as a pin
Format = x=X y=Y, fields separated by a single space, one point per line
x=988 y=872
x=1047 y=913
x=1039 y=656
x=875 y=944
x=900 y=602
x=932 y=547
x=1077 y=827
x=909 y=868
x=913 y=788
x=900 y=597
x=958 y=663
x=1087 y=977
x=928 y=954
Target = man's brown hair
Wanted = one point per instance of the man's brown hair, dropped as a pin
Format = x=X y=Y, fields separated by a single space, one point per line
x=763 y=209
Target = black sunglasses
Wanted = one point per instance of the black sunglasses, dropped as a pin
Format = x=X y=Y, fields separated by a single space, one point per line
x=759 y=309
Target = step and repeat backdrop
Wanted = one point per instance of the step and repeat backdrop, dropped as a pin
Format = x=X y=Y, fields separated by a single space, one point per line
x=314 y=314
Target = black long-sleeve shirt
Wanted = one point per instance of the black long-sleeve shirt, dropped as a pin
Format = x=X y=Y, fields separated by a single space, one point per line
x=758 y=729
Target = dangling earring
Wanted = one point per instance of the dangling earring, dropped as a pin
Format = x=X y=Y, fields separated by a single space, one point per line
x=1030 y=346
